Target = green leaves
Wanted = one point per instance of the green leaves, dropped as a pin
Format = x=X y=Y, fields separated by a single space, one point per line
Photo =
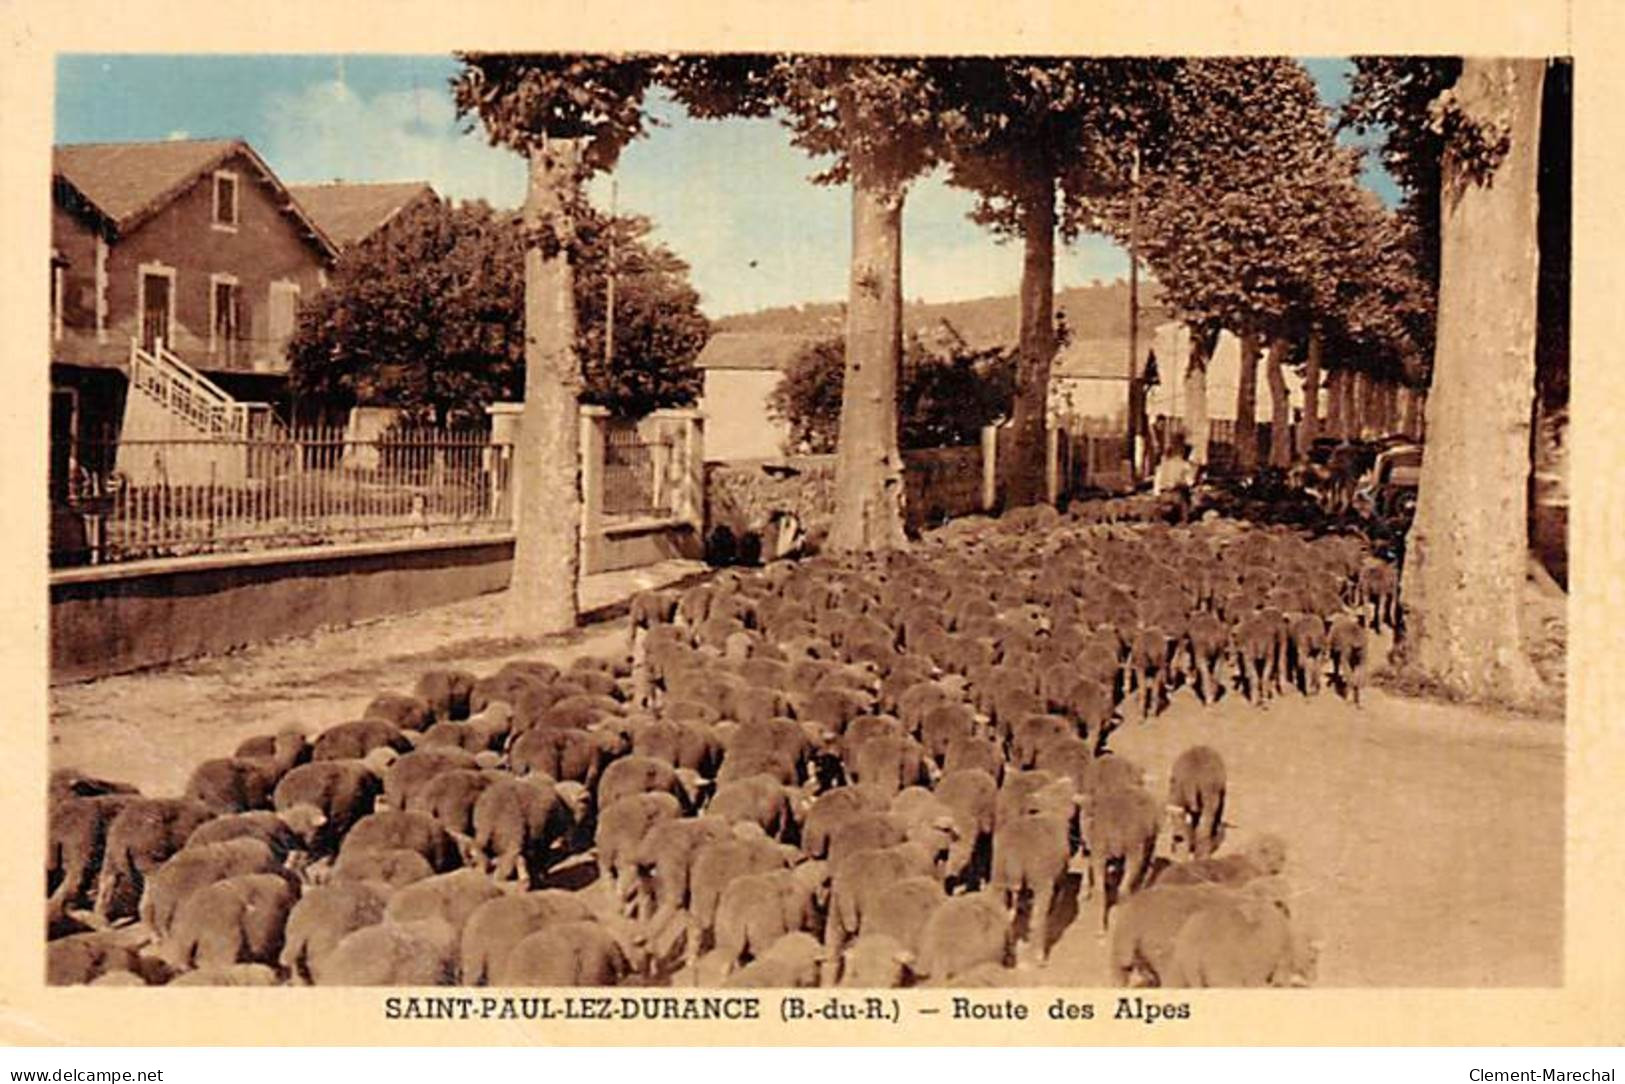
x=429 y=316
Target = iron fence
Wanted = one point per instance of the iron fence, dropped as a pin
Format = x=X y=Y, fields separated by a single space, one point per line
x=126 y=500
x=637 y=469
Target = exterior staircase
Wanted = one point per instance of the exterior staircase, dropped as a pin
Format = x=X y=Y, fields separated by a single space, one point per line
x=181 y=428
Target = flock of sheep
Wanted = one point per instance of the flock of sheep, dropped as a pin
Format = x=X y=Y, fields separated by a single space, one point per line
x=823 y=772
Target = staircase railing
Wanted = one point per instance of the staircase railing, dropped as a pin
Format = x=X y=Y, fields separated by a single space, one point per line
x=186 y=392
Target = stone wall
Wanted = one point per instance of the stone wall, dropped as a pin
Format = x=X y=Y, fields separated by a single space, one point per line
x=940 y=484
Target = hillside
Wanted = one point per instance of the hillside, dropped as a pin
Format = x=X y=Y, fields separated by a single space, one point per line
x=1096 y=312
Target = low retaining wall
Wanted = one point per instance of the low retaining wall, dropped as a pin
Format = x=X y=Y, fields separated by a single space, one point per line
x=115 y=618
x=939 y=484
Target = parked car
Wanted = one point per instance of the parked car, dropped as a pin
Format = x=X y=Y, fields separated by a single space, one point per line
x=1388 y=490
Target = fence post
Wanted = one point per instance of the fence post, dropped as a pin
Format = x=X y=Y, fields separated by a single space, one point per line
x=505 y=422
x=1052 y=464
x=594 y=420
x=990 y=467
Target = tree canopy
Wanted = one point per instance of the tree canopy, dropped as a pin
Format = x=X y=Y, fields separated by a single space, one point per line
x=945 y=396
x=427 y=316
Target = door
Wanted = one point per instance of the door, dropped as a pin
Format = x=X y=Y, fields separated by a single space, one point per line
x=154 y=309
x=64 y=430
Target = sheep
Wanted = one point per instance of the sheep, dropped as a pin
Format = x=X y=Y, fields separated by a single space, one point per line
x=1258 y=647
x=1196 y=789
x=963 y=933
x=902 y=910
x=1264 y=857
x=238 y=920
x=354 y=740
x=945 y=724
x=72 y=783
x=1306 y=651
x=283 y=832
x=1015 y=794
x=833 y=807
x=140 y=838
x=1209 y=643
x=392 y=954
x=863 y=830
x=790 y=962
x=891 y=763
x=342 y=791
x=1346 y=643
x=76 y=845
x=978 y=753
x=447 y=897
x=82 y=958
x=238 y=784
x=763 y=801
x=1030 y=854
x=194 y=867
x=579 y=953
x=322 y=918
x=499 y=924
x=576 y=755
x=665 y=859
x=1117 y=826
x=716 y=865
x=392 y=867
x=758 y=909
x=397 y=829
x=517 y=823
x=504 y=687
x=401 y=711
x=860 y=878
x=416 y=768
x=450 y=798
x=447 y=692
x=619 y=833
x=876 y=962
x=1031 y=732
x=477 y=735
x=234 y=975
x=635 y=775
x=1240 y=942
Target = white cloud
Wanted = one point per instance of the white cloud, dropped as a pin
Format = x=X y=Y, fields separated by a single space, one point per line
x=325 y=131
x=732 y=198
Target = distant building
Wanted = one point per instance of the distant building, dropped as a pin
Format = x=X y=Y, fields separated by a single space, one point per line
x=350 y=213
x=741 y=371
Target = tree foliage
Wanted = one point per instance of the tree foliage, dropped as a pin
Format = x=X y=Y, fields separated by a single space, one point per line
x=427 y=316
x=944 y=399
x=1254 y=220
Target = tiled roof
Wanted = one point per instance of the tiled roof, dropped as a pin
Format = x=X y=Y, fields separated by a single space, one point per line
x=349 y=213
x=129 y=182
x=751 y=350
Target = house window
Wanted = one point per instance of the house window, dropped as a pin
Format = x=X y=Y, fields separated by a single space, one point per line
x=225 y=317
x=225 y=200
x=284 y=309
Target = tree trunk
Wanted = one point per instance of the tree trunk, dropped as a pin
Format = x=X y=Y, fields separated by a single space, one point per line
x=1413 y=413
x=1309 y=432
x=1467 y=552
x=868 y=468
x=1024 y=470
x=1203 y=343
x=542 y=592
x=1280 y=406
x=1356 y=409
x=1336 y=423
x=1247 y=404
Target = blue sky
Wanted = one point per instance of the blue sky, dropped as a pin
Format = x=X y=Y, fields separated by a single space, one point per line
x=731 y=197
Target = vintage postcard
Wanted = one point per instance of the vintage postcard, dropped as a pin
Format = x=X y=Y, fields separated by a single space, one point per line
x=864 y=524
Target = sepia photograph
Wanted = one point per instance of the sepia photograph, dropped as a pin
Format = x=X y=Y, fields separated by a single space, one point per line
x=634 y=534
